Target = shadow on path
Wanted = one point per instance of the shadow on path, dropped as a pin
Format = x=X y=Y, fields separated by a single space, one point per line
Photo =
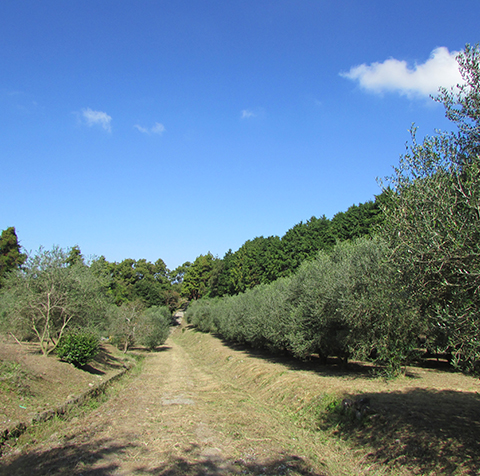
x=331 y=368
x=430 y=430
x=74 y=460
x=86 y=459
x=279 y=467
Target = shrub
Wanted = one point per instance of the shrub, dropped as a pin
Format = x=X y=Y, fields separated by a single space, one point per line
x=78 y=348
x=153 y=326
x=123 y=324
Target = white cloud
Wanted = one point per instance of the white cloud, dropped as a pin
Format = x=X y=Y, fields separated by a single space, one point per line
x=141 y=129
x=156 y=129
x=246 y=113
x=441 y=69
x=99 y=118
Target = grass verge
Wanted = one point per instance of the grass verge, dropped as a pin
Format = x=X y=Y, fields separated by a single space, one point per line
x=425 y=422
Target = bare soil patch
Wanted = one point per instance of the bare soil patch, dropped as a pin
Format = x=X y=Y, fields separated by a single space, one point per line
x=201 y=407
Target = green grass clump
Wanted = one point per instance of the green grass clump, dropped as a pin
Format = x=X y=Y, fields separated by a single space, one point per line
x=14 y=379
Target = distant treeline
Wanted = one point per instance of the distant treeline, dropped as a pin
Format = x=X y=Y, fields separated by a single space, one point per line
x=264 y=260
x=258 y=261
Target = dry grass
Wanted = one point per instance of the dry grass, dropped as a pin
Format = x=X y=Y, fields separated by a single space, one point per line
x=426 y=422
x=253 y=414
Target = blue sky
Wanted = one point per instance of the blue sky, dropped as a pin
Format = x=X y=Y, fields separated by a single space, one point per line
x=167 y=129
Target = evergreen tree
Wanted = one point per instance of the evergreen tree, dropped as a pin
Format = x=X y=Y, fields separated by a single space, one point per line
x=11 y=256
x=304 y=241
x=75 y=256
x=197 y=280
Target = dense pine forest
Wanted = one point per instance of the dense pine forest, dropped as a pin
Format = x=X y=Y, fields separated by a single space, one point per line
x=381 y=281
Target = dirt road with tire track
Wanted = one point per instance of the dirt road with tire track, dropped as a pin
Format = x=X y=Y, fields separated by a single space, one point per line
x=175 y=418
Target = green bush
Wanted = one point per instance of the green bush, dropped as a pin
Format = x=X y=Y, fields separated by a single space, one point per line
x=153 y=326
x=78 y=348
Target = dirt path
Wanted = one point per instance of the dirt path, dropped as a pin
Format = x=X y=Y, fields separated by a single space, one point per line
x=202 y=407
x=175 y=418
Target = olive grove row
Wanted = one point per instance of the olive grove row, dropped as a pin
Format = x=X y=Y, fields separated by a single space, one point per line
x=418 y=277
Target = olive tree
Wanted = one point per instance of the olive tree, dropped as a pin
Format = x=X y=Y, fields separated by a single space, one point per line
x=124 y=322
x=154 y=326
x=47 y=296
x=132 y=324
x=349 y=303
x=432 y=219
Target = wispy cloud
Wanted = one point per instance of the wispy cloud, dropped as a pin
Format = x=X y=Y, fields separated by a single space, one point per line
x=97 y=118
x=144 y=130
x=156 y=129
x=441 y=69
x=247 y=113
